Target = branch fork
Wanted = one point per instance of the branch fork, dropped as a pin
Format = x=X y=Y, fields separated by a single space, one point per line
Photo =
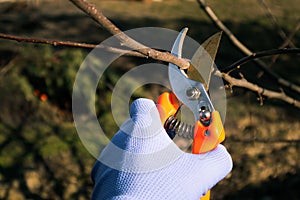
x=141 y=50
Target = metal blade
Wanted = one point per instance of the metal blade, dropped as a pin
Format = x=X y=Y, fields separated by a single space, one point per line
x=178 y=80
x=180 y=83
x=176 y=51
x=177 y=46
x=202 y=62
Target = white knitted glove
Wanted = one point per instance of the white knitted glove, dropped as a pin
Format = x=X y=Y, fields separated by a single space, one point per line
x=143 y=163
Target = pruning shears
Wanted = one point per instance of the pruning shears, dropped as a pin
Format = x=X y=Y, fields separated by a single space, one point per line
x=190 y=88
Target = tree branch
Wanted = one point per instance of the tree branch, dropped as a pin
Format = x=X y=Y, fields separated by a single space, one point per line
x=129 y=42
x=259 y=90
x=125 y=40
x=210 y=13
x=152 y=53
x=47 y=41
x=260 y=55
x=69 y=43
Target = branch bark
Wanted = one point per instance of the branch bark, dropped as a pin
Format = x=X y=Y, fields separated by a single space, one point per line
x=260 y=55
x=68 y=43
x=98 y=16
x=211 y=14
x=259 y=90
x=46 y=41
x=146 y=52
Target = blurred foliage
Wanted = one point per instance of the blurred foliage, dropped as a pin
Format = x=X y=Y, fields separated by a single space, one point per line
x=51 y=71
x=36 y=134
x=41 y=155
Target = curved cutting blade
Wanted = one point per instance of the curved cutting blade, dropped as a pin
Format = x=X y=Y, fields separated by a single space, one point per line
x=180 y=83
x=177 y=46
x=177 y=80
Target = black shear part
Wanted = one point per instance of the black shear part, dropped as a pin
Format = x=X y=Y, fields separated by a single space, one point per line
x=174 y=126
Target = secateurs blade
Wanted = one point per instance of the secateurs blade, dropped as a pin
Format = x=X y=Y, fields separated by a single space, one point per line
x=190 y=88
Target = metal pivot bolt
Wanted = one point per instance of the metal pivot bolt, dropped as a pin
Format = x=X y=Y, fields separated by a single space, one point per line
x=193 y=93
x=205 y=117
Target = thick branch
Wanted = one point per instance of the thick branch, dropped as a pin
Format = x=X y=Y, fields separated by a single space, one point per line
x=125 y=40
x=243 y=48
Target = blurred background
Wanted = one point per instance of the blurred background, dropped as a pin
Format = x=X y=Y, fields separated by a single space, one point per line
x=41 y=155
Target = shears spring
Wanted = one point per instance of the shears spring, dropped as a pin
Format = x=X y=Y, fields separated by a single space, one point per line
x=175 y=126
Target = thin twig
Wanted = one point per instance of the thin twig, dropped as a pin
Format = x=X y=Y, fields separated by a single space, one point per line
x=160 y=56
x=69 y=43
x=243 y=83
x=7 y=67
x=260 y=55
x=210 y=13
x=98 y=16
x=47 y=41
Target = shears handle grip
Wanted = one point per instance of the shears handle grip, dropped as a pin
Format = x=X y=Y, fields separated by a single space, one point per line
x=206 y=137
x=168 y=105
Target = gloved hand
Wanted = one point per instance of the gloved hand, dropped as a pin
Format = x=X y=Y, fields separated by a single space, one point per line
x=142 y=162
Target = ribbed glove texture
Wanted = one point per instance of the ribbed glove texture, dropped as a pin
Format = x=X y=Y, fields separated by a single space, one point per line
x=143 y=163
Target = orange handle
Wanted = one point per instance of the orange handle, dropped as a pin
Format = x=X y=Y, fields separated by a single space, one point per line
x=168 y=105
x=206 y=138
